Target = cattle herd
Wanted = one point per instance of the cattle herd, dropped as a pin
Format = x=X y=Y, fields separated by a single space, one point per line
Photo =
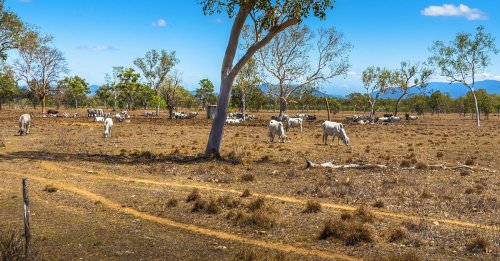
x=277 y=125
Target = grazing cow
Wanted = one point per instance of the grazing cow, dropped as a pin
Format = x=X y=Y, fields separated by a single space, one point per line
x=107 y=127
x=388 y=115
x=233 y=121
x=90 y=112
x=410 y=117
x=52 y=112
x=334 y=129
x=293 y=123
x=149 y=113
x=119 y=117
x=276 y=127
x=310 y=117
x=65 y=115
x=98 y=118
x=394 y=119
x=24 y=124
x=99 y=112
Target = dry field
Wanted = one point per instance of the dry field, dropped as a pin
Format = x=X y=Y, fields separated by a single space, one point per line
x=146 y=194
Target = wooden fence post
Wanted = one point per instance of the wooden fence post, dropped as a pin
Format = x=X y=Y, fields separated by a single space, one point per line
x=27 y=233
x=327 y=108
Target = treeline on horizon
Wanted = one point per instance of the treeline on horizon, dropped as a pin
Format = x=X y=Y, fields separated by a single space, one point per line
x=144 y=98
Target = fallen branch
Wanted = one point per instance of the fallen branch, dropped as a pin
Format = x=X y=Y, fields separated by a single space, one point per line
x=459 y=166
x=333 y=165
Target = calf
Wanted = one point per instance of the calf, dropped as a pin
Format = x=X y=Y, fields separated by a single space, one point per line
x=294 y=123
x=334 y=129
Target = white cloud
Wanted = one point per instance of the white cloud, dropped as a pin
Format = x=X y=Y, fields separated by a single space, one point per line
x=159 y=23
x=219 y=20
x=97 y=48
x=352 y=73
x=452 y=10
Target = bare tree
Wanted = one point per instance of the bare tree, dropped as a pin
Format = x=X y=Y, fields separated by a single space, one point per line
x=287 y=58
x=40 y=67
x=463 y=58
x=268 y=19
x=169 y=91
x=410 y=76
x=376 y=81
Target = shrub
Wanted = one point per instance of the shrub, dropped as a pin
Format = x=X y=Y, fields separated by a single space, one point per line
x=470 y=162
x=464 y=173
x=351 y=232
x=378 y=204
x=194 y=195
x=213 y=207
x=199 y=205
x=405 y=163
x=246 y=193
x=228 y=202
x=439 y=154
x=173 y=202
x=363 y=214
x=256 y=204
x=421 y=165
x=397 y=234
x=247 y=177
x=478 y=245
x=50 y=188
x=312 y=206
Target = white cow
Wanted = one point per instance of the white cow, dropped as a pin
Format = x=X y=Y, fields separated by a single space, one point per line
x=233 y=121
x=24 y=124
x=294 y=123
x=334 y=129
x=107 y=127
x=276 y=127
x=98 y=118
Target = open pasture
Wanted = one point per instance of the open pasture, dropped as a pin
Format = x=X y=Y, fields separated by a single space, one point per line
x=147 y=187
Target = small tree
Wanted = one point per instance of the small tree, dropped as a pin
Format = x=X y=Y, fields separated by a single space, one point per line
x=410 y=76
x=40 y=67
x=75 y=87
x=104 y=93
x=438 y=102
x=357 y=100
x=128 y=84
x=112 y=80
x=206 y=93
x=376 y=81
x=155 y=67
x=463 y=58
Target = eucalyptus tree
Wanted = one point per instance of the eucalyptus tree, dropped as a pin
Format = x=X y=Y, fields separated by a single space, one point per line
x=463 y=58
x=377 y=81
x=112 y=81
x=170 y=91
x=247 y=79
x=268 y=18
x=410 y=76
x=40 y=67
x=205 y=94
x=8 y=85
x=155 y=67
x=287 y=59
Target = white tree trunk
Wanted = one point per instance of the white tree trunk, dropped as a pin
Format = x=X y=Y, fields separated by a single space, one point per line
x=477 y=107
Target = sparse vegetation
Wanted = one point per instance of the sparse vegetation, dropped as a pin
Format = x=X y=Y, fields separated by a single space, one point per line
x=50 y=188
x=173 y=202
x=478 y=244
x=312 y=207
x=256 y=204
x=349 y=231
x=12 y=247
x=247 y=177
x=246 y=193
x=194 y=195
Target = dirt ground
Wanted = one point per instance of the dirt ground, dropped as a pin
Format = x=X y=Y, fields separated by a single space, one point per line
x=147 y=194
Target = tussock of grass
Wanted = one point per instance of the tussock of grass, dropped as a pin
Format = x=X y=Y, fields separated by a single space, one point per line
x=312 y=206
x=228 y=202
x=421 y=165
x=12 y=247
x=363 y=214
x=194 y=195
x=173 y=202
x=50 y=188
x=407 y=256
x=478 y=245
x=246 y=193
x=397 y=234
x=247 y=177
x=378 y=204
x=470 y=162
x=251 y=255
x=405 y=163
x=439 y=154
x=256 y=204
x=351 y=232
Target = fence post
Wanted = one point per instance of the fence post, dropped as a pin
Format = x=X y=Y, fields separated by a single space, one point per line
x=327 y=108
x=27 y=233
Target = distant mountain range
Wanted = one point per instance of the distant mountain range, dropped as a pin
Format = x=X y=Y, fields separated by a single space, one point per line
x=455 y=90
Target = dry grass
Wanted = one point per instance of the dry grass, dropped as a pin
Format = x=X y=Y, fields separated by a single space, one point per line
x=173 y=202
x=256 y=204
x=194 y=195
x=12 y=247
x=406 y=256
x=350 y=232
x=252 y=255
x=246 y=193
x=378 y=204
x=397 y=234
x=470 y=162
x=247 y=177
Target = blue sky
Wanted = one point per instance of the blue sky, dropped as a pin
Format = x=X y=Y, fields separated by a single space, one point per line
x=95 y=35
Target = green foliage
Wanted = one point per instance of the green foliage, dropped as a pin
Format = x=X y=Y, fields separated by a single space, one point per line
x=73 y=89
x=206 y=93
x=438 y=102
x=155 y=66
x=128 y=85
x=8 y=85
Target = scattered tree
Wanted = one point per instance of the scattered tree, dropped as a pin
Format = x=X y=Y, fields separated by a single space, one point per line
x=463 y=58
x=155 y=67
x=169 y=91
x=206 y=93
x=75 y=87
x=376 y=81
x=8 y=85
x=409 y=76
x=40 y=67
x=247 y=79
x=128 y=84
